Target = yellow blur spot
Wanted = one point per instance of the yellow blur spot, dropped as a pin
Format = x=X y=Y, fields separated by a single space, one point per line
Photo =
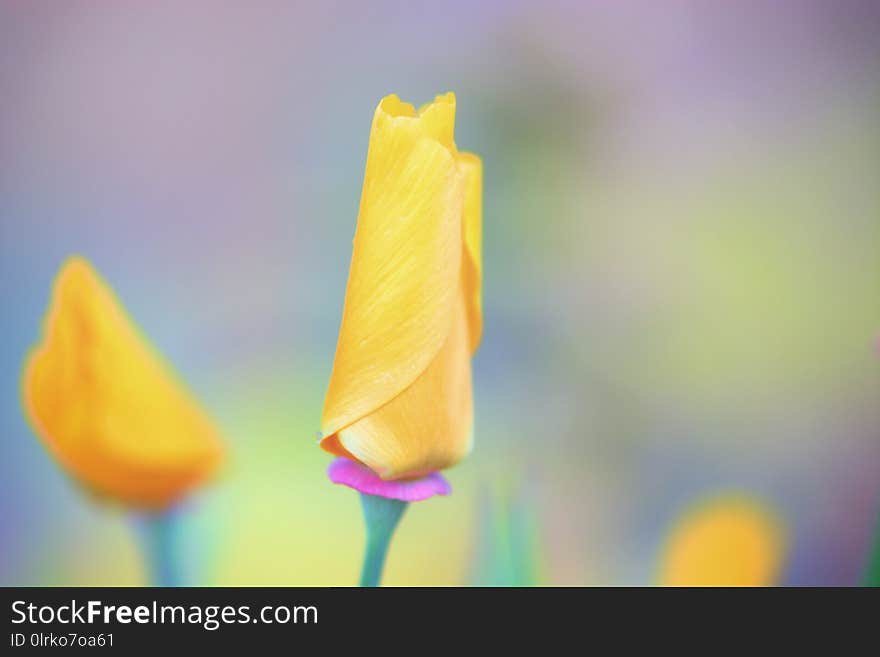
x=726 y=541
x=107 y=406
x=399 y=398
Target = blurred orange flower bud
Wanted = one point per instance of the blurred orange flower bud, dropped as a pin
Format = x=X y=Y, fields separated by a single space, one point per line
x=107 y=406
x=729 y=540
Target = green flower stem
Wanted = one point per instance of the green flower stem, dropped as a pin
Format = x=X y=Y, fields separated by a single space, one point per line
x=381 y=516
x=159 y=540
x=872 y=574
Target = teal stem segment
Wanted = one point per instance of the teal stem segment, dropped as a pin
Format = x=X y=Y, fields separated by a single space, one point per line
x=159 y=534
x=381 y=516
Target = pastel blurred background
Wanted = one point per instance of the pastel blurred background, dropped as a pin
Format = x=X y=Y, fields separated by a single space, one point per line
x=682 y=275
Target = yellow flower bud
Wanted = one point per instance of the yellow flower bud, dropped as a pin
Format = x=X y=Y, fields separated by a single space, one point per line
x=399 y=399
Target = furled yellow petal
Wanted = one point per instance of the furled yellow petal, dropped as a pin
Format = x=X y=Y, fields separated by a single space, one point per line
x=405 y=269
x=472 y=227
x=107 y=406
x=727 y=541
x=428 y=426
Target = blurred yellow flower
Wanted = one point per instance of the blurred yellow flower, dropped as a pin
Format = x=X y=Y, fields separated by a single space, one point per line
x=729 y=540
x=399 y=399
x=107 y=406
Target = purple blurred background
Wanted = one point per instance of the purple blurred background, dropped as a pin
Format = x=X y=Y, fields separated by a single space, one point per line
x=681 y=235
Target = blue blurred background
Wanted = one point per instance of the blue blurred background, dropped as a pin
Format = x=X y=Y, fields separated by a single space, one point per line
x=682 y=279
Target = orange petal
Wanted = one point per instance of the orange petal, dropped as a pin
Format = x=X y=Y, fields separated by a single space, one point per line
x=107 y=406
x=403 y=282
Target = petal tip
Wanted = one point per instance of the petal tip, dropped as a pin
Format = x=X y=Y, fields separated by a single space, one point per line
x=393 y=106
x=440 y=99
x=75 y=270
